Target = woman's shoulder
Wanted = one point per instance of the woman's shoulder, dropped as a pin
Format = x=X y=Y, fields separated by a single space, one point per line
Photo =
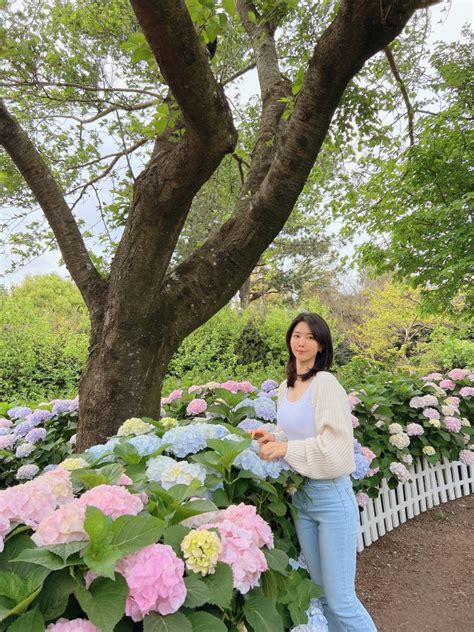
x=325 y=379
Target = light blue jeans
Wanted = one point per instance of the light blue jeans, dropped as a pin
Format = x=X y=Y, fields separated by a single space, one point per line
x=327 y=525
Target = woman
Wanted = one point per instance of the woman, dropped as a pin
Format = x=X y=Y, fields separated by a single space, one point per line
x=314 y=435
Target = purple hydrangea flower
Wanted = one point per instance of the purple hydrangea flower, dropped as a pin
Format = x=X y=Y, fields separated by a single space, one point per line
x=23 y=428
x=37 y=434
x=74 y=404
x=357 y=447
x=39 y=416
x=362 y=467
x=60 y=406
x=269 y=385
x=17 y=412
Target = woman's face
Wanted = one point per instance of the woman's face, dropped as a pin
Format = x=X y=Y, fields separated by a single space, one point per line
x=303 y=345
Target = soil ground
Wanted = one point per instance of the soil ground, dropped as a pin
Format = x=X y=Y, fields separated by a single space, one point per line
x=420 y=576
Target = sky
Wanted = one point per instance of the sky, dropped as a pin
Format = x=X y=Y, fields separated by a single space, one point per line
x=447 y=27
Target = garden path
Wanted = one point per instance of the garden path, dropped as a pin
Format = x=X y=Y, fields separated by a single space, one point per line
x=420 y=576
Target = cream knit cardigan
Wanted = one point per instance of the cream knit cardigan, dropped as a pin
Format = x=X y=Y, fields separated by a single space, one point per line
x=331 y=452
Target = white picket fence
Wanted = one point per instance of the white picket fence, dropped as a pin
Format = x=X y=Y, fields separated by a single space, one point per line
x=430 y=486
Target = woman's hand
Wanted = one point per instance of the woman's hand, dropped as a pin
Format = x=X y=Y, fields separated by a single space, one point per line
x=262 y=436
x=273 y=450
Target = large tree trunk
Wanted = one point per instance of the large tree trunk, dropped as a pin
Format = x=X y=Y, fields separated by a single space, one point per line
x=123 y=377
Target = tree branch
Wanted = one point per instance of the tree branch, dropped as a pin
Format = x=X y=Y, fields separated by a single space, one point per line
x=215 y=271
x=410 y=112
x=46 y=190
x=184 y=64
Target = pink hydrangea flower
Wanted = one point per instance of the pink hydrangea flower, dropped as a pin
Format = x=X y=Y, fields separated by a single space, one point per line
x=5 y=527
x=362 y=499
x=373 y=472
x=72 y=625
x=230 y=385
x=470 y=377
x=355 y=421
x=353 y=400
x=432 y=376
x=246 y=387
x=58 y=482
x=466 y=391
x=466 y=457
x=7 y=441
x=422 y=402
x=240 y=552
x=196 y=406
x=112 y=500
x=154 y=576
x=431 y=413
x=368 y=454
x=66 y=524
x=458 y=374
x=195 y=388
x=415 y=430
x=448 y=385
x=453 y=424
x=453 y=401
x=124 y=480
x=27 y=504
x=5 y=423
x=246 y=517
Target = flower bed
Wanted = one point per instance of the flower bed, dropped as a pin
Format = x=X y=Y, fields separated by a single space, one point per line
x=176 y=523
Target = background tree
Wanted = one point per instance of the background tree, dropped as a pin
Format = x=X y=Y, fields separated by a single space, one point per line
x=142 y=310
x=414 y=201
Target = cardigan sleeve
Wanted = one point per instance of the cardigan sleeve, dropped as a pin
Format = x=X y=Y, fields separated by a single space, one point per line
x=331 y=452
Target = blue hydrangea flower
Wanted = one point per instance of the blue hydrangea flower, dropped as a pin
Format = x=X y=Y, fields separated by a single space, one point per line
x=274 y=468
x=265 y=408
x=4 y=431
x=362 y=467
x=316 y=616
x=27 y=472
x=37 y=434
x=269 y=385
x=168 y=472
x=23 y=428
x=96 y=452
x=192 y=438
x=50 y=468
x=248 y=460
x=299 y=563
x=145 y=444
x=23 y=450
x=17 y=412
x=245 y=402
x=357 y=447
x=39 y=416
x=309 y=627
x=250 y=424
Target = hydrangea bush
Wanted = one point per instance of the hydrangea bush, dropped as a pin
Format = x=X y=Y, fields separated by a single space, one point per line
x=176 y=523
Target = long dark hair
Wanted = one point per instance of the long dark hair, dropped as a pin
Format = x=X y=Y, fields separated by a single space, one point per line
x=322 y=334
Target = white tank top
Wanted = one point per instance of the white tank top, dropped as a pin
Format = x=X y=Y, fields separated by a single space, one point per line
x=296 y=419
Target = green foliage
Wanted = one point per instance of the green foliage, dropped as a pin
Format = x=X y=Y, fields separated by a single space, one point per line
x=44 y=333
x=415 y=204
